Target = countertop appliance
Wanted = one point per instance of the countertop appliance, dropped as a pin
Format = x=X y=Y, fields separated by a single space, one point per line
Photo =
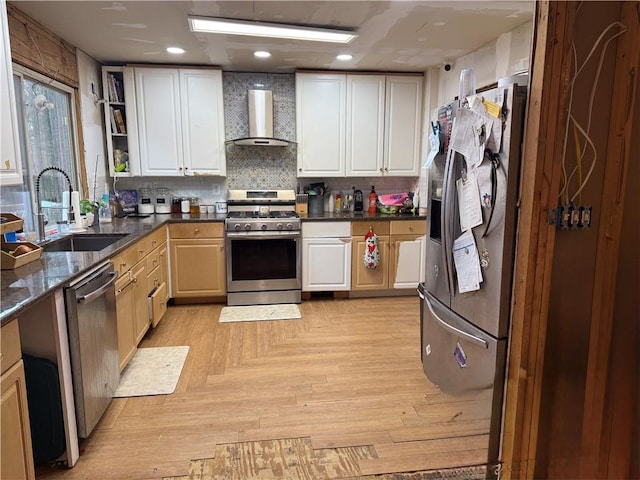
x=263 y=244
x=464 y=335
x=93 y=344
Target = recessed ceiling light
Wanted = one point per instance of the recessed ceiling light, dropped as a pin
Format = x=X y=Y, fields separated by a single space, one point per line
x=266 y=29
x=439 y=24
x=262 y=54
x=344 y=56
x=175 y=50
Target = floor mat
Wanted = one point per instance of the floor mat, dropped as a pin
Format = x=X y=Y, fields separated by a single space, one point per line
x=253 y=313
x=152 y=371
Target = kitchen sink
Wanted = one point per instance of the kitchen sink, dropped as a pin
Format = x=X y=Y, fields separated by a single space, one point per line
x=82 y=243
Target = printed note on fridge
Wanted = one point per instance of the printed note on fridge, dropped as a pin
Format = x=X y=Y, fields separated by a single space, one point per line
x=467 y=262
x=469 y=201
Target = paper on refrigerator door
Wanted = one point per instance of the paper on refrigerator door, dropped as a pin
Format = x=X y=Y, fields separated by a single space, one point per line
x=469 y=201
x=467 y=263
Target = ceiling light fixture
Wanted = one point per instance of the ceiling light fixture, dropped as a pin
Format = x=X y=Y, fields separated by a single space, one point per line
x=344 y=57
x=175 y=50
x=266 y=29
x=262 y=54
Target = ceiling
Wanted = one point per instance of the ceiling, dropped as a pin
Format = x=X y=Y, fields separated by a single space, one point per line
x=397 y=36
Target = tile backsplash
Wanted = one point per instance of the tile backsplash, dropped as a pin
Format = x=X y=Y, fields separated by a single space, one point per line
x=255 y=167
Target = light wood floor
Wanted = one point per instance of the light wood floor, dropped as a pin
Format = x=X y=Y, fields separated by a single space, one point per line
x=347 y=374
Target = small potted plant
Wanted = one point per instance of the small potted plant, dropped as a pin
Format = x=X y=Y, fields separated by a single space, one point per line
x=87 y=212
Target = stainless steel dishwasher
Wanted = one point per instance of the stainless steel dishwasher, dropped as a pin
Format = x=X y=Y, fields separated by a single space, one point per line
x=93 y=343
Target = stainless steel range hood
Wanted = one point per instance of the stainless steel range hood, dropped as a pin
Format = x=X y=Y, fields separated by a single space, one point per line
x=261 y=121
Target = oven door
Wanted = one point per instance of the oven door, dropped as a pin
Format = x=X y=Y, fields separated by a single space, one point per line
x=263 y=261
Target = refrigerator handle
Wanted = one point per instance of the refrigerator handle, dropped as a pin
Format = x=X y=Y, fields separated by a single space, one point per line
x=456 y=331
x=447 y=195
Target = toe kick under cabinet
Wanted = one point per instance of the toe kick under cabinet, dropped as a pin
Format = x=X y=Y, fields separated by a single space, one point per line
x=141 y=290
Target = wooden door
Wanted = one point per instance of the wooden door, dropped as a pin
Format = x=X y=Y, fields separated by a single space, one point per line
x=363 y=278
x=197 y=267
x=16 y=457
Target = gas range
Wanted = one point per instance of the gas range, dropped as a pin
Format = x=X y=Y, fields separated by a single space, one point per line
x=261 y=210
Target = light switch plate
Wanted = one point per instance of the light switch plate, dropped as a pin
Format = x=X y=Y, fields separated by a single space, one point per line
x=215 y=190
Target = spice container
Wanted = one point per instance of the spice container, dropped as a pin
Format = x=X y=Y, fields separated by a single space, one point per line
x=175 y=204
x=185 y=205
x=194 y=206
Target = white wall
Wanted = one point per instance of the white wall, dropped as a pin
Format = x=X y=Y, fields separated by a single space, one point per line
x=90 y=74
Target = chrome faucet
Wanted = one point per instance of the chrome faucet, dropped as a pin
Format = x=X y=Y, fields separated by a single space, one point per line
x=40 y=216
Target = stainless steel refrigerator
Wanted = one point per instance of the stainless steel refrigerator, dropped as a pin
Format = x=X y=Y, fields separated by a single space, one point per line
x=464 y=335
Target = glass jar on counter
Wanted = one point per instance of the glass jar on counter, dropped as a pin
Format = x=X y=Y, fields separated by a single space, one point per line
x=194 y=206
x=175 y=204
x=145 y=204
x=163 y=204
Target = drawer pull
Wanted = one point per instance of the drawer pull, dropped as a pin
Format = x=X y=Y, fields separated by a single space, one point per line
x=196 y=230
x=154 y=242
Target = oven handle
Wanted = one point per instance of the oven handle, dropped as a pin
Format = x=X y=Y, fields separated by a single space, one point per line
x=262 y=235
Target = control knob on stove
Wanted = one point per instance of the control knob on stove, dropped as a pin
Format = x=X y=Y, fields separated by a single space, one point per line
x=279 y=226
x=289 y=226
x=263 y=226
x=237 y=227
x=247 y=226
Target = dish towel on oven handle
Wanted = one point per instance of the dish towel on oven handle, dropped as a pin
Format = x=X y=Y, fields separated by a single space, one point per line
x=371 y=252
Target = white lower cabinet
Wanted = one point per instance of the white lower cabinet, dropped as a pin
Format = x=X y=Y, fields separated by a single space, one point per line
x=326 y=256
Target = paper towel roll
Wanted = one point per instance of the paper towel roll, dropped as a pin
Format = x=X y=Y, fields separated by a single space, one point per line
x=76 y=226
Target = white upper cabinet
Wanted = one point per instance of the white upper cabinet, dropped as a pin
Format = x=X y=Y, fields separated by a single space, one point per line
x=365 y=125
x=202 y=107
x=358 y=125
x=10 y=159
x=320 y=124
x=402 y=125
x=180 y=121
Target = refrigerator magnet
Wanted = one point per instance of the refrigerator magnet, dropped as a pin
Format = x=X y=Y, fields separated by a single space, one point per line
x=460 y=356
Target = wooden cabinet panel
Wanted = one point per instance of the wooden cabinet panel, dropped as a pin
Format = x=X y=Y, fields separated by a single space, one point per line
x=402 y=255
x=363 y=278
x=326 y=264
x=125 y=311
x=140 y=294
x=16 y=456
x=10 y=351
x=16 y=453
x=197 y=267
x=196 y=230
x=158 y=304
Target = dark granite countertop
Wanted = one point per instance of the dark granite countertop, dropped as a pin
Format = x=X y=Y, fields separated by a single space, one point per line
x=26 y=285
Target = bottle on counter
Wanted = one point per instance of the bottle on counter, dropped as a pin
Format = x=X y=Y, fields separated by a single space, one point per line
x=338 y=203
x=373 y=200
x=104 y=211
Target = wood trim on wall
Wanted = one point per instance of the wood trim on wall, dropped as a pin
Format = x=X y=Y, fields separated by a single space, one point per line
x=540 y=183
x=618 y=156
x=39 y=49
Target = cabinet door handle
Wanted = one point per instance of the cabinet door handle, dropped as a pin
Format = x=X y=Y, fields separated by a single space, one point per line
x=221 y=247
x=380 y=168
x=196 y=230
x=153 y=242
x=345 y=240
x=135 y=280
x=386 y=169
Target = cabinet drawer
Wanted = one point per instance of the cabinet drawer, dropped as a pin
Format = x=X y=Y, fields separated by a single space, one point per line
x=153 y=259
x=361 y=228
x=326 y=229
x=158 y=304
x=10 y=351
x=196 y=230
x=153 y=278
x=408 y=227
x=157 y=238
x=125 y=260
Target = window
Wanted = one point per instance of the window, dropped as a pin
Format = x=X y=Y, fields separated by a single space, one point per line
x=46 y=121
